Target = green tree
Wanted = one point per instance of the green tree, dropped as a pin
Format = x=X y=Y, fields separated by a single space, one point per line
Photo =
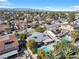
x=75 y=34
x=62 y=15
x=22 y=36
x=41 y=54
x=66 y=50
x=31 y=44
x=49 y=55
x=71 y=16
x=62 y=50
x=54 y=15
x=8 y=18
x=40 y=29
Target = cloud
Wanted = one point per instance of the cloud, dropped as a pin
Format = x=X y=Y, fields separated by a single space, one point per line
x=70 y=8
x=76 y=7
x=5 y=4
x=58 y=9
x=3 y=1
x=6 y=7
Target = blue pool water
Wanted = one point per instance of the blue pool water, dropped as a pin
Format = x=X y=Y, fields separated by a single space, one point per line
x=65 y=38
x=45 y=49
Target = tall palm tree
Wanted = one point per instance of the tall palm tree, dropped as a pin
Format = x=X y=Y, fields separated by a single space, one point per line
x=49 y=55
x=66 y=50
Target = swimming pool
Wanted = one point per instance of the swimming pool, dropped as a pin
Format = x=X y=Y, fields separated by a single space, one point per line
x=46 y=49
x=65 y=38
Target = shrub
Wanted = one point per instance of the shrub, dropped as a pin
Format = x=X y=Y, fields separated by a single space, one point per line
x=40 y=29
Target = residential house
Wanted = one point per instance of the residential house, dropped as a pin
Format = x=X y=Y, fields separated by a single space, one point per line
x=48 y=45
x=3 y=28
x=20 y=24
x=8 y=46
x=77 y=16
x=76 y=24
x=53 y=27
x=38 y=37
x=1 y=19
x=67 y=27
x=51 y=35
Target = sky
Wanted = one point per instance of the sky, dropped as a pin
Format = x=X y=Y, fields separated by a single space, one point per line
x=54 y=5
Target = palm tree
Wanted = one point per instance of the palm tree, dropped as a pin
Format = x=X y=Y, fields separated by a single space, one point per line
x=49 y=55
x=75 y=34
x=66 y=51
x=41 y=54
x=31 y=44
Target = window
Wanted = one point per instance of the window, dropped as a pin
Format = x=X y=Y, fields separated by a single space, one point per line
x=35 y=37
x=44 y=35
x=8 y=42
x=50 y=42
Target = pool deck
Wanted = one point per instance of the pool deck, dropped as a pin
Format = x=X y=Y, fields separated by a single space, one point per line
x=49 y=47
